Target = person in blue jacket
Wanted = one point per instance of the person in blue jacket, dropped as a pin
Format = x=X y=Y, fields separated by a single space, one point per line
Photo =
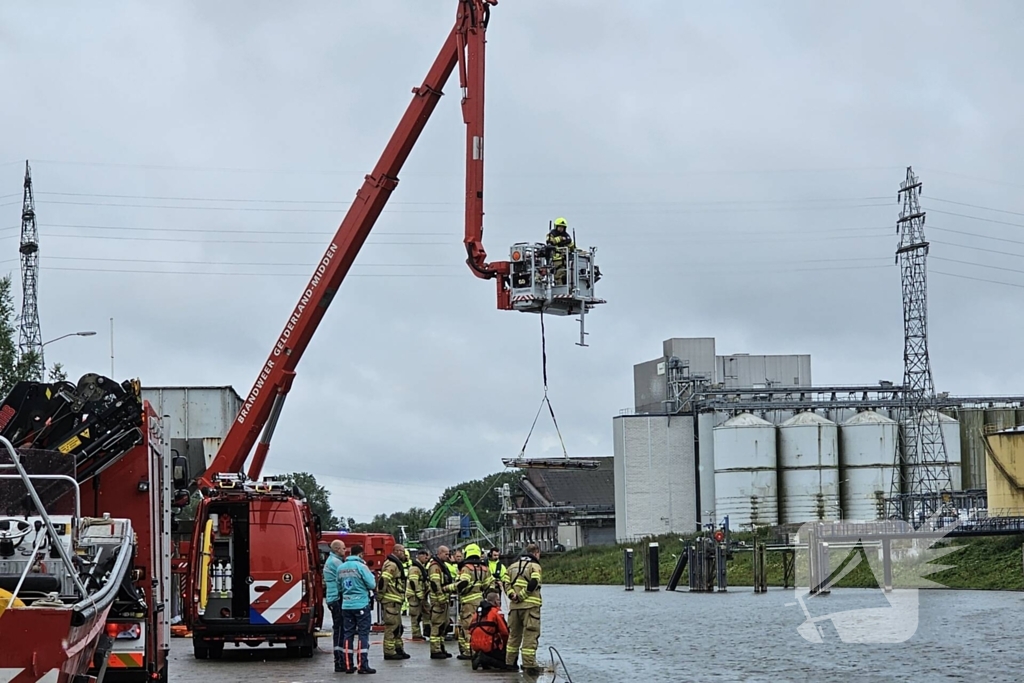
x=356 y=584
x=331 y=567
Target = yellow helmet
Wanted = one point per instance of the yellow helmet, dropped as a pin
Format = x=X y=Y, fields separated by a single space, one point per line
x=560 y=223
x=472 y=550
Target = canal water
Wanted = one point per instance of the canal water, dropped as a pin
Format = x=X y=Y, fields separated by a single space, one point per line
x=607 y=635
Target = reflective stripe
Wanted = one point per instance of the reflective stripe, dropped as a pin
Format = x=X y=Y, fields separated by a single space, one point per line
x=125 y=660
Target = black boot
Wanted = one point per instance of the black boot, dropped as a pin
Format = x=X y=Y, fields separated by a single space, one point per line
x=438 y=655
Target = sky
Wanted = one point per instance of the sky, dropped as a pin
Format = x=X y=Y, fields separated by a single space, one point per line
x=735 y=164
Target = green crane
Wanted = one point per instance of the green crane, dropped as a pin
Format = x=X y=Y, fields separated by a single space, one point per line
x=445 y=507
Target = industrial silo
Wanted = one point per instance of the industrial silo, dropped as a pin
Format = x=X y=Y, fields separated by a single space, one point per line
x=808 y=469
x=950 y=429
x=867 y=450
x=746 y=480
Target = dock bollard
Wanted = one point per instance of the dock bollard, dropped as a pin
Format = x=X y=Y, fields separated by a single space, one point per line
x=628 y=560
x=653 y=582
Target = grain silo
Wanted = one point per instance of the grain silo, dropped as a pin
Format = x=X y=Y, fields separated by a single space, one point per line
x=867 y=456
x=746 y=479
x=808 y=468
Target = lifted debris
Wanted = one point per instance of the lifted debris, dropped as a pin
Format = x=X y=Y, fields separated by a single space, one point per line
x=552 y=463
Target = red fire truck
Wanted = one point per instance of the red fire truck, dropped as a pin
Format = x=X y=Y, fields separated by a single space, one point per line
x=123 y=468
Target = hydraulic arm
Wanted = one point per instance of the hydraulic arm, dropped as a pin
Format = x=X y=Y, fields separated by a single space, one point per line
x=464 y=48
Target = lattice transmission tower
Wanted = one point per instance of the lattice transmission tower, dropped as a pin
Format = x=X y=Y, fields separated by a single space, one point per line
x=921 y=470
x=30 y=337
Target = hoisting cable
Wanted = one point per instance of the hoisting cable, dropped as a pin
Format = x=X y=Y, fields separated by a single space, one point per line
x=545 y=400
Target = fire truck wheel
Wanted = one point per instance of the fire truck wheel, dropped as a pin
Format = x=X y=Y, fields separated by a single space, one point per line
x=199 y=650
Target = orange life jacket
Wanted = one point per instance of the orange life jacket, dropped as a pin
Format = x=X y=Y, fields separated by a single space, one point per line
x=489 y=632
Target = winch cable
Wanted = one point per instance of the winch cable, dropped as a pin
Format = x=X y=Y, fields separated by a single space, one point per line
x=545 y=400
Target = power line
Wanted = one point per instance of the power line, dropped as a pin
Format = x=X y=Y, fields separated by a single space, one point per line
x=617 y=172
x=245 y=263
x=190 y=241
x=977 y=279
x=208 y=272
x=965 y=246
x=977 y=218
x=455 y=203
x=265 y=209
x=977 y=206
x=236 y=232
x=974 y=234
x=669 y=229
x=980 y=265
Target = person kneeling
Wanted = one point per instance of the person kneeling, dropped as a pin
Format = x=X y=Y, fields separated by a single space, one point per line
x=489 y=634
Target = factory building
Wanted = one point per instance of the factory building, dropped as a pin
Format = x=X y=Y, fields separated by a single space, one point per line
x=749 y=437
x=655 y=480
x=196 y=419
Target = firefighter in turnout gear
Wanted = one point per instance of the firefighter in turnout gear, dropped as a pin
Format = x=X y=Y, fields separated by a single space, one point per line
x=417 y=595
x=391 y=588
x=441 y=585
x=474 y=579
x=523 y=589
x=562 y=244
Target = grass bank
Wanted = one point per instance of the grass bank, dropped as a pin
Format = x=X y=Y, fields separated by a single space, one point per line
x=986 y=563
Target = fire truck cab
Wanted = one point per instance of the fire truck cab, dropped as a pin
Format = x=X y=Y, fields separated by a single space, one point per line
x=257 y=579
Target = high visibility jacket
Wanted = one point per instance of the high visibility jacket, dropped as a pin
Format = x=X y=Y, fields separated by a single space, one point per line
x=440 y=580
x=523 y=583
x=391 y=584
x=499 y=573
x=355 y=581
x=416 y=586
x=474 y=579
x=489 y=632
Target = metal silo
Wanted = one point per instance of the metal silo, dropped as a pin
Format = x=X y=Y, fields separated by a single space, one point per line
x=867 y=448
x=808 y=469
x=746 y=478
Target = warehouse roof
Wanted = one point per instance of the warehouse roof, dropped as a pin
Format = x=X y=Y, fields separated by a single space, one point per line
x=576 y=487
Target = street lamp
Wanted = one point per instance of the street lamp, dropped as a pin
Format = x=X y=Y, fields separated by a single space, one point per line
x=87 y=333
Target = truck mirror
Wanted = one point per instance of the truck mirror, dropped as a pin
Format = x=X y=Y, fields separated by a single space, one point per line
x=181 y=498
x=179 y=471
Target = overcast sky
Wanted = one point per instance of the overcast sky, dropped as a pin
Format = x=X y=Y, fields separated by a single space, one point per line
x=735 y=164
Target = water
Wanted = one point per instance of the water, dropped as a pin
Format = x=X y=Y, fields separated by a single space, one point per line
x=606 y=635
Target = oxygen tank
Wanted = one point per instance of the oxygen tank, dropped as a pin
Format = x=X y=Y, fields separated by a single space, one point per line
x=227 y=578
x=215 y=577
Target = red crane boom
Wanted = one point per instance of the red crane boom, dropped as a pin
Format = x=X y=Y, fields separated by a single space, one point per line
x=463 y=47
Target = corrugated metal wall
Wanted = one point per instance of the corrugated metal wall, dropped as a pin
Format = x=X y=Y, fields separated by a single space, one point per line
x=973 y=423
x=654 y=476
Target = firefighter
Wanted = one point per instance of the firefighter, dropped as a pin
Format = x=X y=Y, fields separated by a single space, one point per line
x=331 y=567
x=523 y=590
x=454 y=566
x=498 y=571
x=418 y=596
x=562 y=244
x=474 y=579
x=408 y=566
x=391 y=588
x=441 y=586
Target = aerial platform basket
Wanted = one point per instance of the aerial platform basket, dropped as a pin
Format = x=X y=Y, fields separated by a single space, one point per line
x=556 y=281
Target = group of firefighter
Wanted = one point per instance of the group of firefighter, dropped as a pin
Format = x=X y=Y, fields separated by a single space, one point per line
x=429 y=587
